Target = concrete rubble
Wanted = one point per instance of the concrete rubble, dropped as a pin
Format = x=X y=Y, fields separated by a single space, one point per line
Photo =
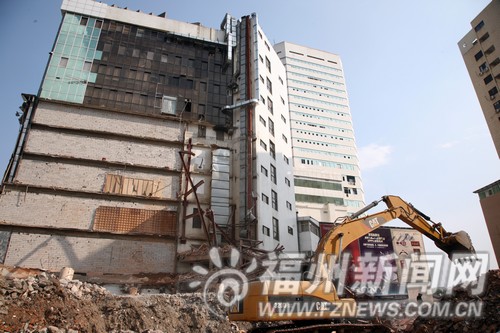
x=42 y=302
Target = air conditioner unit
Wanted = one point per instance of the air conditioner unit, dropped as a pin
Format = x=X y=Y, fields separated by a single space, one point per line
x=492 y=97
x=481 y=73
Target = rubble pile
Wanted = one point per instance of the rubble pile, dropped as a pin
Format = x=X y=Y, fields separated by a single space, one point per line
x=44 y=303
x=489 y=321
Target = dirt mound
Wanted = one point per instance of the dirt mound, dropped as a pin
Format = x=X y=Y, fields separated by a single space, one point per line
x=44 y=303
x=489 y=321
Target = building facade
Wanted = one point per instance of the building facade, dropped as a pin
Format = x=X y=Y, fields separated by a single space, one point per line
x=480 y=49
x=327 y=177
x=149 y=136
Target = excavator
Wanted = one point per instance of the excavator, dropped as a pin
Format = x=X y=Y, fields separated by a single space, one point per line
x=314 y=305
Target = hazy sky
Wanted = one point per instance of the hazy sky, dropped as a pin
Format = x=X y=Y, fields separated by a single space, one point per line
x=419 y=129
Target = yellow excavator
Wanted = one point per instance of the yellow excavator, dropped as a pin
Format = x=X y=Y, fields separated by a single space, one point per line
x=314 y=305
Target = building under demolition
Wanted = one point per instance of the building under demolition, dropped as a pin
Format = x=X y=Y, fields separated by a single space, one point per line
x=149 y=137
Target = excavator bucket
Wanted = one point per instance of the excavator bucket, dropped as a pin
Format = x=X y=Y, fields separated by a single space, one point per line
x=457 y=245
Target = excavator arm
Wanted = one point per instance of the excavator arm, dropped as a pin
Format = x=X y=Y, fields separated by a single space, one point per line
x=355 y=227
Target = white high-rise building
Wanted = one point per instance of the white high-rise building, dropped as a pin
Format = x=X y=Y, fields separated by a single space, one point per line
x=327 y=178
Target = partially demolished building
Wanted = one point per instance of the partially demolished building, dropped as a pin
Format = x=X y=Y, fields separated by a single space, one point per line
x=151 y=140
x=148 y=136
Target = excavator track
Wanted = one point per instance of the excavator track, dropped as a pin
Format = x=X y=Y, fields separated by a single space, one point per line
x=325 y=328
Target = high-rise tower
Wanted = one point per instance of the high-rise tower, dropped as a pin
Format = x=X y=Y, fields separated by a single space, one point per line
x=326 y=171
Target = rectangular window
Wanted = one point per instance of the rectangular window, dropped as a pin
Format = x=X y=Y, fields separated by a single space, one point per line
x=268 y=64
x=272 y=149
x=273 y=173
x=269 y=86
x=288 y=205
x=267 y=46
x=271 y=126
x=262 y=79
x=274 y=200
x=282 y=101
x=276 y=229
x=478 y=55
x=287 y=182
x=287 y=161
x=265 y=198
x=164 y=58
x=270 y=105
x=63 y=62
x=261 y=59
x=490 y=50
x=493 y=92
x=284 y=138
x=479 y=26
x=263 y=100
x=168 y=105
x=263 y=145
x=484 y=37
x=497 y=106
x=263 y=170
x=483 y=68
x=265 y=230
x=281 y=80
x=290 y=230
x=84 y=20
x=488 y=79
x=219 y=135
x=98 y=24
x=87 y=65
x=196 y=219
x=202 y=131
x=262 y=120
x=283 y=118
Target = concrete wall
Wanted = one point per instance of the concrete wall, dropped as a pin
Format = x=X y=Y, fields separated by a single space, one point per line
x=60 y=211
x=96 y=255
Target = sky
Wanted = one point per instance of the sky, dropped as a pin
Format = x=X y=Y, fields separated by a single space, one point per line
x=420 y=132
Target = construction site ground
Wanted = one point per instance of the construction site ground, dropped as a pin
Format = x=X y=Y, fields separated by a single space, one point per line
x=42 y=302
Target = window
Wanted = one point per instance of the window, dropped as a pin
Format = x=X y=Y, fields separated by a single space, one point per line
x=272 y=149
x=281 y=80
x=497 y=107
x=87 y=65
x=478 y=55
x=288 y=205
x=479 y=26
x=168 y=104
x=121 y=50
x=263 y=100
x=270 y=105
x=164 y=58
x=484 y=37
x=274 y=200
x=262 y=120
x=276 y=229
x=269 y=85
x=268 y=64
x=265 y=230
x=262 y=80
x=98 y=24
x=263 y=170
x=488 y=79
x=287 y=182
x=63 y=62
x=261 y=59
x=287 y=161
x=263 y=145
x=271 y=125
x=483 y=68
x=202 y=131
x=495 y=62
x=282 y=101
x=283 y=118
x=493 y=92
x=490 y=50
x=273 y=174
x=284 y=138
x=196 y=219
x=84 y=20
x=265 y=198
x=140 y=32
x=219 y=135
x=267 y=46
x=290 y=230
